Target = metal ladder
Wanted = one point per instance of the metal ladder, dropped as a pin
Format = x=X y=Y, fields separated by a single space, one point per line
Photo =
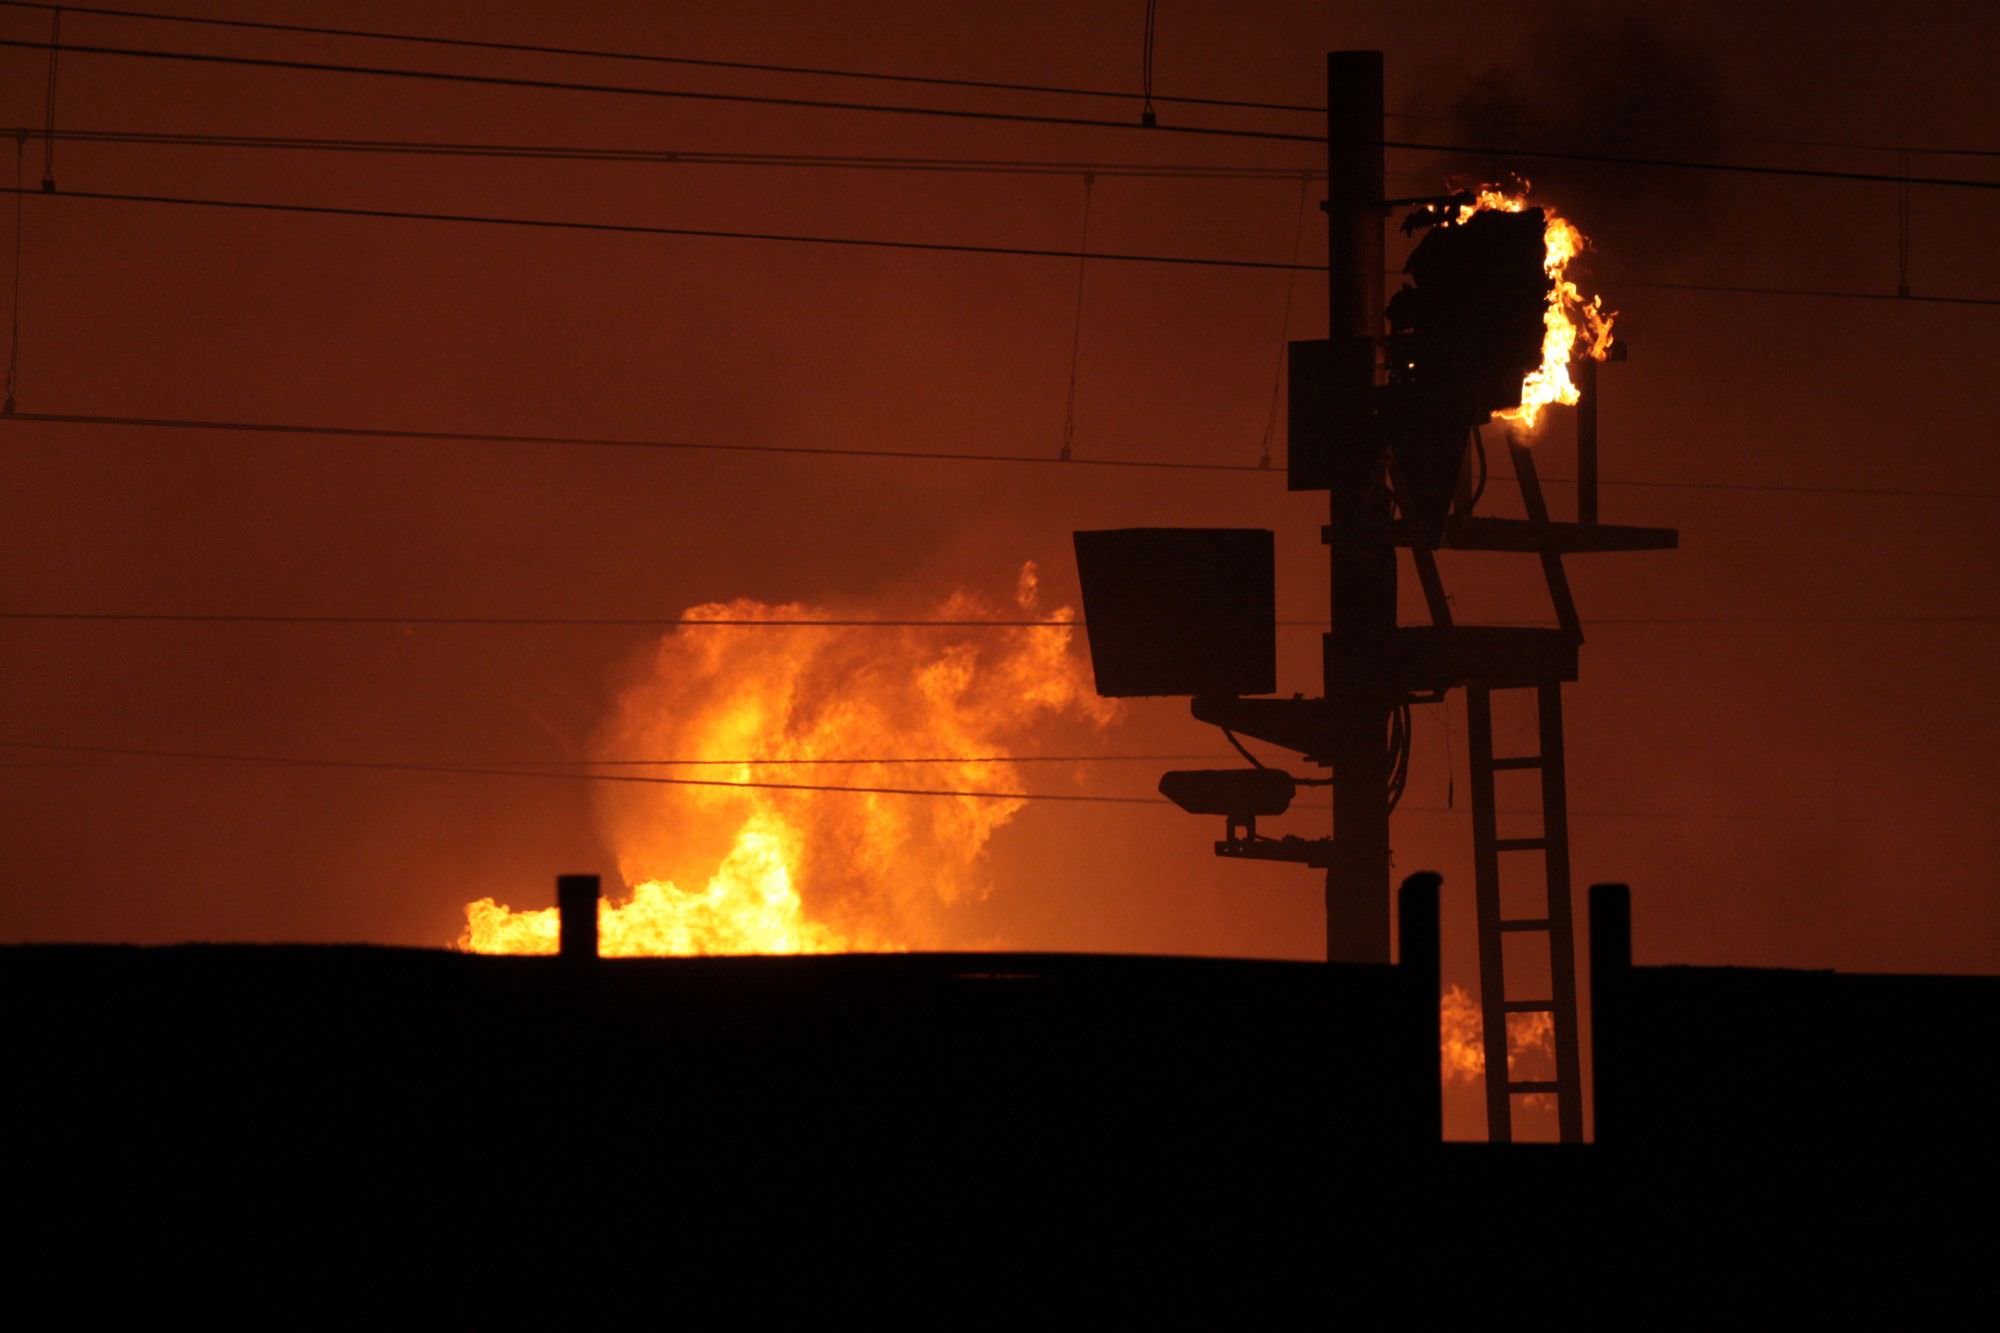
x=1554 y=924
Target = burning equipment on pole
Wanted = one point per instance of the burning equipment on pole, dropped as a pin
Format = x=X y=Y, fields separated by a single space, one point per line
x=1381 y=417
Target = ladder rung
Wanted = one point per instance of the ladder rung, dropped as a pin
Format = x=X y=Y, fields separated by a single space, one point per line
x=1550 y=1086
x=1520 y=844
x=1529 y=1006
x=1526 y=923
x=1517 y=761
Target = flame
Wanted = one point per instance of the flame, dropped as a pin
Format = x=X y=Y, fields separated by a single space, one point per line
x=1568 y=320
x=789 y=871
x=1462 y=1050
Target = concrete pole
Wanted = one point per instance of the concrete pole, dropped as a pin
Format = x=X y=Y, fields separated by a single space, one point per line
x=1363 y=561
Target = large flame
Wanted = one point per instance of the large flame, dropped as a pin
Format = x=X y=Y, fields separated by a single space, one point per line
x=791 y=871
x=1568 y=319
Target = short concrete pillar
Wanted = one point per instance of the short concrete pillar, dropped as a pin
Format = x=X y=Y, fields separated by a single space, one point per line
x=576 y=910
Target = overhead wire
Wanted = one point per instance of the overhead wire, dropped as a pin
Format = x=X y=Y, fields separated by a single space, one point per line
x=288 y=761
x=612 y=442
x=671 y=622
x=1903 y=230
x=49 y=101
x=1146 y=114
x=1399 y=755
x=1076 y=323
x=1912 y=150
x=1285 y=325
x=1011 y=117
x=1691 y=164
x=648 y=229
x=1836 y=294
x=220 y=426
x=693 y=157
x=876 y=243
x=14 y=307
x=672 y=94
x=694 y=62
x=822 y=71
x=816 y=762
x=622 y=622
x=845 y=761
x=169 y=757
x=1779 y=488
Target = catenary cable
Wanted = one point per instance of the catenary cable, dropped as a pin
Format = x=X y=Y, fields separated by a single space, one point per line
x=74 y=49
x=913 y=455
x=645 y=229
x=694 y=62
x=941 y=247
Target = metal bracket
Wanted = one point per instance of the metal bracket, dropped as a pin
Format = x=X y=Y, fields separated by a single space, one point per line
x=1304 y=851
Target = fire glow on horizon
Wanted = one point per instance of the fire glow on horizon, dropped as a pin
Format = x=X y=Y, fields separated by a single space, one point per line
x=787 y=871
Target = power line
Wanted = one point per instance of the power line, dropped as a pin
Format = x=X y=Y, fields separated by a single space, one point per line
x=674 y=94
x=879 y=761
x=691 y=157
x=821 y=71
x=1921 y=150
x=1781 y=488
x=646 y=622
x=1146 y=116
x=816 y=104
x=670 y=622
x=49 y=101
x=1012 y=117
x=616 y=442
x=644 y=229
x=884 y=759
x=283 y=761
x=14 y=306
x=612 y=442
x=1771 y=488
x=171 y=757
x=941 y=247
x=705 y=157
x=1829 y=293
x=599 y=53
x=1686 y=164
x=1780 y=621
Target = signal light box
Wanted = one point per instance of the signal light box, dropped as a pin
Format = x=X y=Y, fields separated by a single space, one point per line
x=1176 y=611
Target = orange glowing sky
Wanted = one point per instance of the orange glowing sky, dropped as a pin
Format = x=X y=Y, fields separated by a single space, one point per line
x=1818 y=790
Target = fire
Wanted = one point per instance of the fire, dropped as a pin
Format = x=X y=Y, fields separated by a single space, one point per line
x=1462 y=1049
x=1568 y=320
x=749 y=906
x=790 y=871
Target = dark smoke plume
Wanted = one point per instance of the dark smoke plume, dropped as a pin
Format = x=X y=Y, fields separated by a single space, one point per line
x=1611 y=85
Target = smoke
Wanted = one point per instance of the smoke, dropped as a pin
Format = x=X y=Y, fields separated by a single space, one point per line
x=1616 y=85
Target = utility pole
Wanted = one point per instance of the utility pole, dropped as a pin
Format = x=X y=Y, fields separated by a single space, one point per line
x=1396 y=392
x=1362 y=557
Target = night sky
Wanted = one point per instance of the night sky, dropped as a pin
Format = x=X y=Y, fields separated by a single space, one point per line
x=1781 y=739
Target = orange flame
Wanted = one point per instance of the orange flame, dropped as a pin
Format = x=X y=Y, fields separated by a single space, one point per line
x=788 y=871
x=1462 y=1050
x=1568 y=320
